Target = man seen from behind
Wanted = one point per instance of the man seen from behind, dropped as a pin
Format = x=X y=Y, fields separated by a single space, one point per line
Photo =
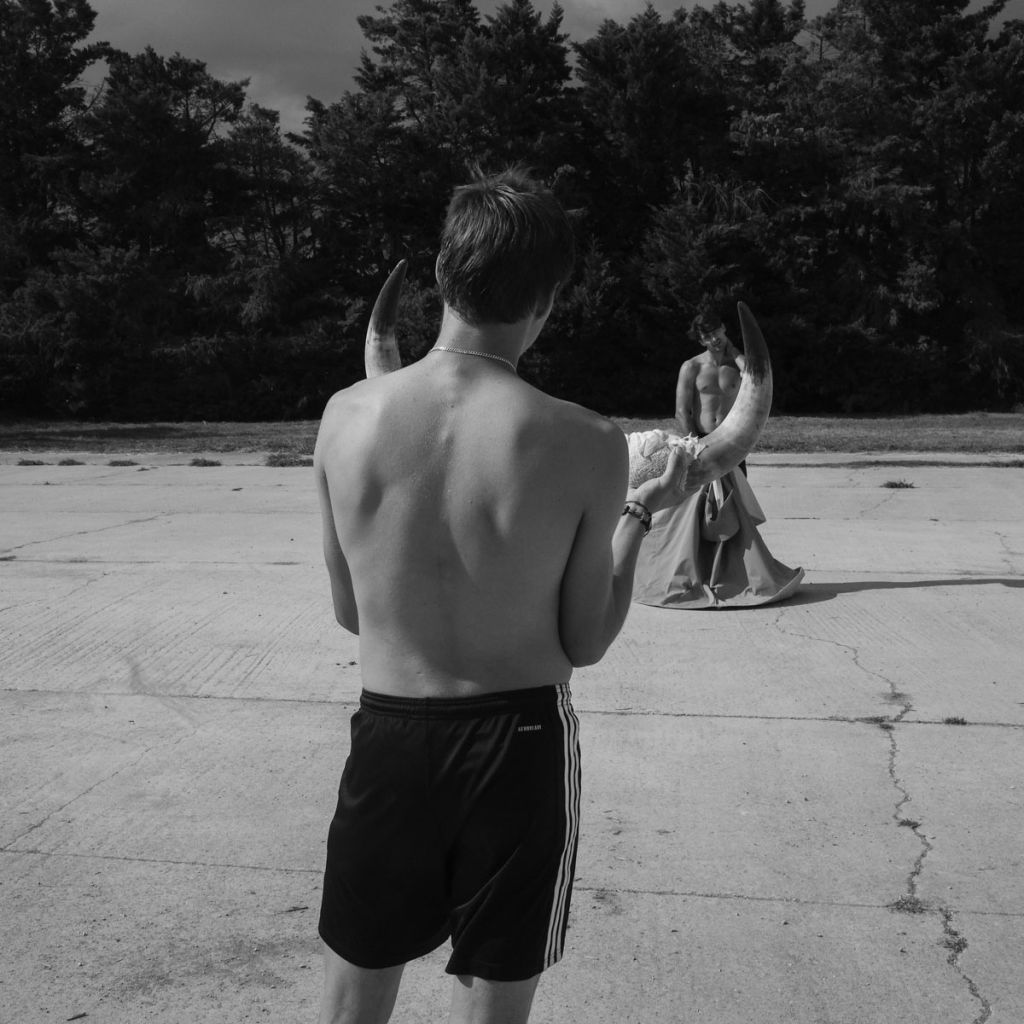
x=480 y=540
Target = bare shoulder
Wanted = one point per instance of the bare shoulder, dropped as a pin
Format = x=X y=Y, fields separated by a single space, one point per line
x=691 y=367
x=344 y=408
x=593 y=443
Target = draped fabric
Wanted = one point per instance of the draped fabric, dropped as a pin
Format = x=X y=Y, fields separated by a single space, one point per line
x=707 y=553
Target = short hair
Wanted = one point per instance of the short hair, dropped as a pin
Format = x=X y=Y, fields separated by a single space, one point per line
x=506 y=247
x=705 y=323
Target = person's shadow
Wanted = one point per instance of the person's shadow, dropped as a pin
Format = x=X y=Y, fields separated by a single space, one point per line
x=812 y=593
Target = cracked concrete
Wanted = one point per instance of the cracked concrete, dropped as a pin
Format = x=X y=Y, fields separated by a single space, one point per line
x=778 y=822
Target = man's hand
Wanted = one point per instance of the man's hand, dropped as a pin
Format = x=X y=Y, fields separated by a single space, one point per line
x=682 y=476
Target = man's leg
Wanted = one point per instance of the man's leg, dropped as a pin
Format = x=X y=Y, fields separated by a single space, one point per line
x=475 y=1001
x=357 y=995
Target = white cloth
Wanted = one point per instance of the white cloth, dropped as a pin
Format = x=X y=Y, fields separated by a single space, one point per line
x=649 y=451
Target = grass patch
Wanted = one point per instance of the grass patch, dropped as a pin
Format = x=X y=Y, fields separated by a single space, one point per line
x=278 y=459
x=122 y=462
x=32 y=462
x=204 y=462
x=898 y=485
x=70 y=462
x=965 y=433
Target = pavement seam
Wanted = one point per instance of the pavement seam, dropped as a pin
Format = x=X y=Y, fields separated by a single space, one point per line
x=595 y=712
x=577 y=888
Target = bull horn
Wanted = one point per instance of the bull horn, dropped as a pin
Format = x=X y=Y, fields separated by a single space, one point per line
x=731 y=441
x=381 y=352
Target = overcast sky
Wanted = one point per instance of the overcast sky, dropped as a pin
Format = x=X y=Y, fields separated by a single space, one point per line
x=291 y=49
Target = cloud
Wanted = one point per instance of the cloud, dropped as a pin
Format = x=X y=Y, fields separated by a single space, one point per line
x=303 y=48
x=286 y=50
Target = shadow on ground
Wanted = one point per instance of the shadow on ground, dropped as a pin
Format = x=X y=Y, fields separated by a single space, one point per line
x=812 y=593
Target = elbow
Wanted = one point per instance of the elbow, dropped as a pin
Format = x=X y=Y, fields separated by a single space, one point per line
x=581 y=654
x=347 y=617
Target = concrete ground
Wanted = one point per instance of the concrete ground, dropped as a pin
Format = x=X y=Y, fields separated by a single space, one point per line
x=804 y=813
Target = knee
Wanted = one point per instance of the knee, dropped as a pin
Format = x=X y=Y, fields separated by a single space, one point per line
x=357 y=995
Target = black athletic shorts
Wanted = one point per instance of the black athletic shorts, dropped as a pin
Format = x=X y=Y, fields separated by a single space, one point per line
x=456 y=818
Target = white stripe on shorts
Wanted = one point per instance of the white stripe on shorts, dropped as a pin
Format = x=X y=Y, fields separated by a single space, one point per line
x=571 y=783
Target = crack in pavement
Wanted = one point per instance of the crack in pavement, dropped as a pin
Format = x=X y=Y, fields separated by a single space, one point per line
x=854 y=652
x=909 y=902
x=6 y=848
x=874 y=508
x=227 y=865
x=85 y=533
x=956 y=944
x=1008 y=553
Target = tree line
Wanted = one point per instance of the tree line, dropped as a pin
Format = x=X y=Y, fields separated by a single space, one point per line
x=167 y=251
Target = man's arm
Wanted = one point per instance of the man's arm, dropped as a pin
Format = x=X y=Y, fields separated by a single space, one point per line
x=342 y=595
x=685 y=390
x=597 y=585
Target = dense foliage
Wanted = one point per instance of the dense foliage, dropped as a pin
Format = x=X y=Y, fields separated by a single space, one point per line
x=167 y=252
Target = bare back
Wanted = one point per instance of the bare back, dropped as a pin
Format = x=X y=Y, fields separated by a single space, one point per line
x=456 y=491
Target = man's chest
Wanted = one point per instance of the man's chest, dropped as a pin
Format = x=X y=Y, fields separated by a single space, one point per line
x=718 y=380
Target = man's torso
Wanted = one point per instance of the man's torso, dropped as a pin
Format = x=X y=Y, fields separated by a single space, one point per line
x=456 y=491
x=715 y=388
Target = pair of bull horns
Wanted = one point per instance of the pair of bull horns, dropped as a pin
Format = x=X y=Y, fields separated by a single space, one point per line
x=724 y=448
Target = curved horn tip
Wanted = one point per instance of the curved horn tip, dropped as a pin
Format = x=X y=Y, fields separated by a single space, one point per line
x=393 y=285
x=754 y=347
x=381 y=353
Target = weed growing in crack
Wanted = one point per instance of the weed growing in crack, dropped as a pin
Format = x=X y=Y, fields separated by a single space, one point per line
x=955 y=943
x=908 y=823
x=908 y=905
x=954 y=720
x=898 y=484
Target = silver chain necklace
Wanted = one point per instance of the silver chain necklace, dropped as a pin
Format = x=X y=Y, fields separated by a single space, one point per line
x=482 y=355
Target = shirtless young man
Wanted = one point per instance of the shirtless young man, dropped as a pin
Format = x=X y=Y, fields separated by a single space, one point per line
x=476 y=540
x=708 y=383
